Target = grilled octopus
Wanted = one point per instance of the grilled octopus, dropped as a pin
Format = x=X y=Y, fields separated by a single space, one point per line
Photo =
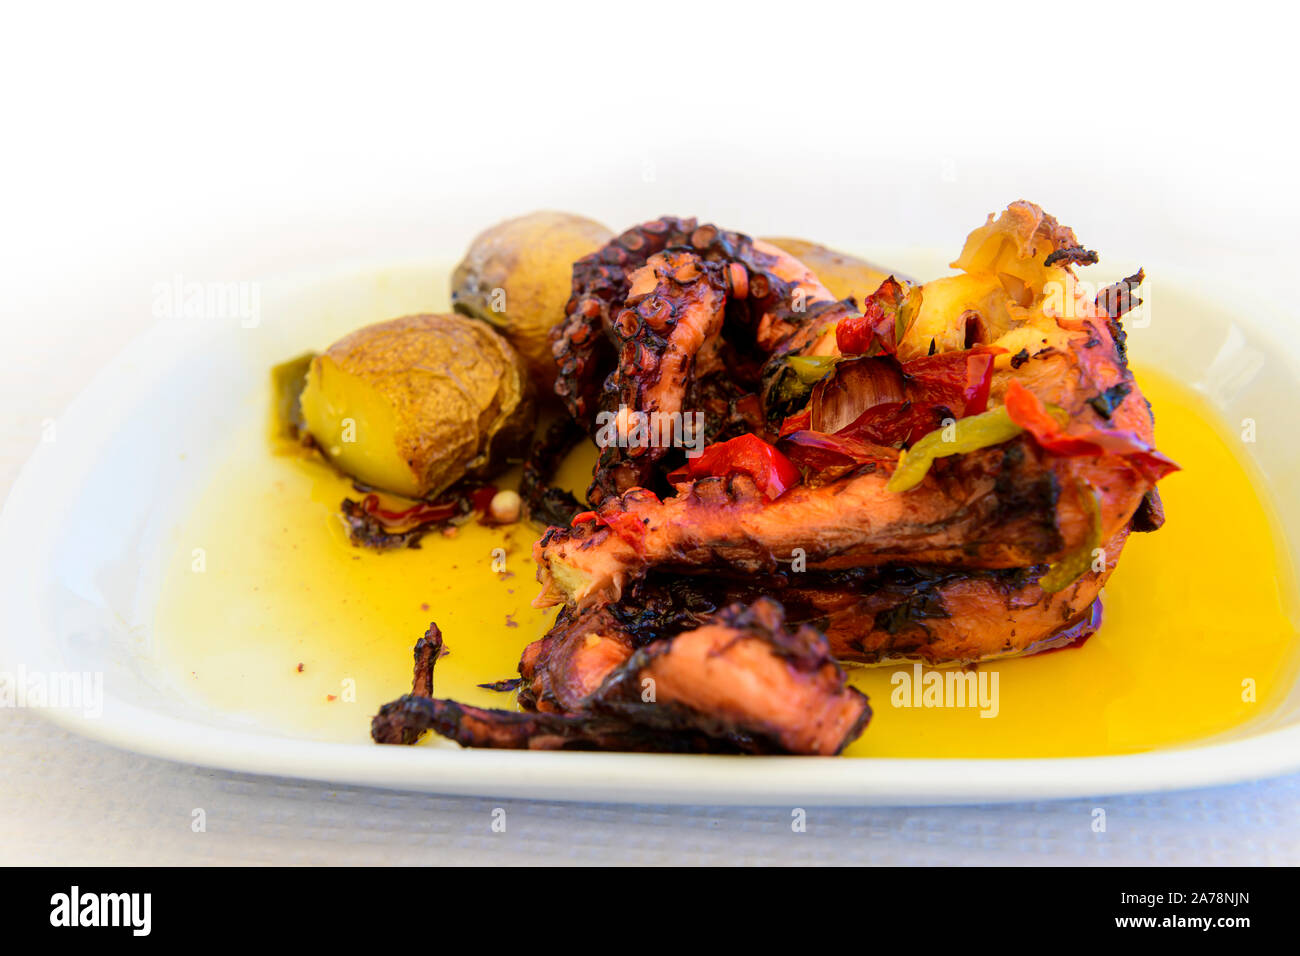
x=739 y=683
x=1017 y=505
x=669 y=317
x=737 y=596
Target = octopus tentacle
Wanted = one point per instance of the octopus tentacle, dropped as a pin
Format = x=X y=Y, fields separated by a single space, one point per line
x=741 y=682
x=517 y=730
x=600 y=280
x=671 y=314
x=996 y=508
x=743 y=676
x=407 y=719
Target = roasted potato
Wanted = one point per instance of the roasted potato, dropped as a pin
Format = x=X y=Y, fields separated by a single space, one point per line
x=842 y=274
x=518 y=276
x=415 y=404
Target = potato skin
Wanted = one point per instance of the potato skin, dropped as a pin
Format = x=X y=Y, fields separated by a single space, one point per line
x=432 y=399
x=518 y=275
x=844 y=275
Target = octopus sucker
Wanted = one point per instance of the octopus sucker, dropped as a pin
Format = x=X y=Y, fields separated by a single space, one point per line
x=944 y=472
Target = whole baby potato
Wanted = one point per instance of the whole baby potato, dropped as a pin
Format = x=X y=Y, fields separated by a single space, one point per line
x=518 y=275
x=844 y=275
x=414 y=404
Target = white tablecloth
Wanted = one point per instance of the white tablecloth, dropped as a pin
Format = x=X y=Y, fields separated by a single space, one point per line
x=65 y=800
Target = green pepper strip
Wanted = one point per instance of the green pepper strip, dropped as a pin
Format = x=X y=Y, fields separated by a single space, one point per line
x=1073 y=566
x=969 y=434
x=980 y=431
x=966 y=434
x=811 y=369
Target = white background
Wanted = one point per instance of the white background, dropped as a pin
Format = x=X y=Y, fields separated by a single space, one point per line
x=139 y=141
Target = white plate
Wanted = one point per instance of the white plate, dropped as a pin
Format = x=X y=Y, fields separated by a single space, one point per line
x=82 y=532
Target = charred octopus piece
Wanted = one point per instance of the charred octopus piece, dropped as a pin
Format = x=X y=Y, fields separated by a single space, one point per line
x=885 y=614
x=582 y=351
x=673 y=317
x=993 y=509
x=739 y=683
x=743 y=677
x=1014 y=504
x=993 y=540
x=669 y=325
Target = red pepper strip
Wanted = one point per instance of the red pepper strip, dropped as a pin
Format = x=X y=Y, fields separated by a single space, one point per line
x=748 y=454
x=876 y=329
x=1028 y=411
x=856 y=334
x=623 y=524
x=419 y=513
x=896 y=423
x=960 y=380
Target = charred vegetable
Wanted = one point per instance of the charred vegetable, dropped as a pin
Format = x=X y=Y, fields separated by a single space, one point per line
x=958 y=438
x=287 y=382
x=518 y=276
x=772 y=472
x=415 y=404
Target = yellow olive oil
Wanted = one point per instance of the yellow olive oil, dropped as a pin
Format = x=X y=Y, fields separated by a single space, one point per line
x=291 y=629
